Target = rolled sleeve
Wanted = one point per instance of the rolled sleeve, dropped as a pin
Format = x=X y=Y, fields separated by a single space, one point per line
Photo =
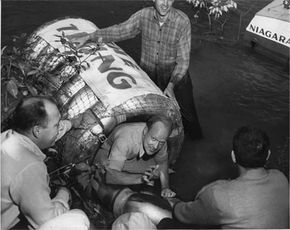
x=118 y=154
x=116 y=164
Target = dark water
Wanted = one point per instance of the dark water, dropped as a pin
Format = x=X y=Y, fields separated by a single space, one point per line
x=233 y=86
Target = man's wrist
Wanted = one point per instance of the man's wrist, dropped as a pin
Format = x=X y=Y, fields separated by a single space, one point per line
x=171 y=85
x=166 y=186
x=176 y=79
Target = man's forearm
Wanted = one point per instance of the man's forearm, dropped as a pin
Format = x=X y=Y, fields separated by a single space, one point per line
x=95 y=36
x=164 y=177
x=104 y=35
x=119 y=32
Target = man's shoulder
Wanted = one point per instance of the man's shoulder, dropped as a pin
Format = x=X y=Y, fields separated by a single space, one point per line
x=14 y=149
x=149 y=9
x=9 y=141
x=275 y=172
x=217 y=184
x=130 y=126
x=215 y=187
x=6 y=135
x=180 y=14
x=277 y=175
x=127 y=131
x=146 y=12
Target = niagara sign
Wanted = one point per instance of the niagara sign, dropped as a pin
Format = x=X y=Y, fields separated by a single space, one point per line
x=271 y=28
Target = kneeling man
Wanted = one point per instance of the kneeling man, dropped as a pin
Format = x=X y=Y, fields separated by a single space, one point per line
x=132 y=149
x=25 y=187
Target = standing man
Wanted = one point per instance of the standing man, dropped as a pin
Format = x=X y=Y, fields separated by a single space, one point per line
x=24 y=177
x=257 y=199
x=166 y=45
x=136 y=152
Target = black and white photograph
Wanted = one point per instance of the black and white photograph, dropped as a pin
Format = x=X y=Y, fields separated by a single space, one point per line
x=144 y=114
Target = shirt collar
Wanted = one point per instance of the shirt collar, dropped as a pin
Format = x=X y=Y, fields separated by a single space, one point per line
x=255 y=174
x=29 y=144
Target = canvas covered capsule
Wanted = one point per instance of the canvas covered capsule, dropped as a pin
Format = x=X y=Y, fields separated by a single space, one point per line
x=100 y=81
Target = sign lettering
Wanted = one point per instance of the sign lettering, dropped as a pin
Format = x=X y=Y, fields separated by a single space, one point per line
x=271 y=28
x=71 y=27
x=107 y=61
x=112 y=76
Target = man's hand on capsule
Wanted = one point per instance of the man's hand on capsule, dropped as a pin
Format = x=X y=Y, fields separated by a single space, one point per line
x=79 y=39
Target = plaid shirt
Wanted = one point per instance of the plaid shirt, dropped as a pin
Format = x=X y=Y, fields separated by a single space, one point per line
x=165 y=49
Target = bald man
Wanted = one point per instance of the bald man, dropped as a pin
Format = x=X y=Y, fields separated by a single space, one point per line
x=24 y=189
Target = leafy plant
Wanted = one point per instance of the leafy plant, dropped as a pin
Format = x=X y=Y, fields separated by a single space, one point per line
x=73 y=54
x=22 y=77
x=213 y=8
x=286 y=4
x=18 y=74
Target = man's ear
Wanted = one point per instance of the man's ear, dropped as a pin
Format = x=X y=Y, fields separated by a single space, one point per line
x=145 y=130
x=233 y=157
x=269 y=153
x=36 y=131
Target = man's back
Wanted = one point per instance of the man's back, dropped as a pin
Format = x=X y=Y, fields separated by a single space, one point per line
x=17 y=153
x=254 y=201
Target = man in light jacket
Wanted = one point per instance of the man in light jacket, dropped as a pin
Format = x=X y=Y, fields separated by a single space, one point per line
x=25 y=187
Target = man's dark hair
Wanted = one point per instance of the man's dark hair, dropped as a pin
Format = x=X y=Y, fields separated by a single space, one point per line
x=30 y=111
x=166 y=121
x=251 y=147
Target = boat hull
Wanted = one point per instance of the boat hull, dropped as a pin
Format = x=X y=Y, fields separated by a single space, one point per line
x=269 y=30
